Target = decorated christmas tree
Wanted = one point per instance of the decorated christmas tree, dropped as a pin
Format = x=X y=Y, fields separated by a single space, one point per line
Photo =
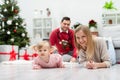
x=12 y=26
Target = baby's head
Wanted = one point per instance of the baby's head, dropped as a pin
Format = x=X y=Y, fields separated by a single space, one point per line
x=42 y=48
x=43 y=44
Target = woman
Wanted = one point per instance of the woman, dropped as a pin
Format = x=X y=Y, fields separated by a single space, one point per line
x=92 y=51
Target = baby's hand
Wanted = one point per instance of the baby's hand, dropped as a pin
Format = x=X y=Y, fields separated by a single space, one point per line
x=36 y=67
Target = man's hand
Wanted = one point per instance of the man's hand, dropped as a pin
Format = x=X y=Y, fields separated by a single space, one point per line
x=53 y=48
x=73 y=59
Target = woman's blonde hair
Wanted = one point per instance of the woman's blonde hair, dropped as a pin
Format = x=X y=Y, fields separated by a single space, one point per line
x=90 y=42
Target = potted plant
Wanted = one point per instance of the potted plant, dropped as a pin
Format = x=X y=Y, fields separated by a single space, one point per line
x=109 y=5
x=93 y=25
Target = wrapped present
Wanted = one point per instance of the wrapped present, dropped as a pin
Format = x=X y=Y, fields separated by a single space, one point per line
x=27 y=54
x=8 y=52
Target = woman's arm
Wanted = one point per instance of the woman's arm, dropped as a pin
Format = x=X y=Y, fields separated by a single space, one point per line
x=95 y=65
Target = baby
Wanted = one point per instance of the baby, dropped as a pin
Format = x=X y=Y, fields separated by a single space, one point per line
x=45 y=59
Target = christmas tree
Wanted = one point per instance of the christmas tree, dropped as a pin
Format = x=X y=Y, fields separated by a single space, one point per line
x=12 y=27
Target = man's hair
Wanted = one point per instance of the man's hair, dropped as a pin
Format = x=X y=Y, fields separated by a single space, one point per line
x=65 y=18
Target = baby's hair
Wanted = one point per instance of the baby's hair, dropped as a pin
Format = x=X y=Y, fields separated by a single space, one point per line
x=43 y=43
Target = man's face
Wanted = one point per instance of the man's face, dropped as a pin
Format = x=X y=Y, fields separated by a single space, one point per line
x=65 y=25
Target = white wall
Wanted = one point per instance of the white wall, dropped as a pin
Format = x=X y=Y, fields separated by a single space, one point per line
x=78 y=10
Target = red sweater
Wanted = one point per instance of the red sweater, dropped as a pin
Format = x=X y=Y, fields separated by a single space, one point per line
x=56 y=37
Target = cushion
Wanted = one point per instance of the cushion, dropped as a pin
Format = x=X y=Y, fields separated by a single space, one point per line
x=111 y=49
x=116 y=42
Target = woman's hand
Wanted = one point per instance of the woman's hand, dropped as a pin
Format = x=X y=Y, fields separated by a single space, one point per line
x=91 y=65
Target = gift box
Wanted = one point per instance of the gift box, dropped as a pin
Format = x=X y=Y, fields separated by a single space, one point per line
x=27 y=54
x=8 y=52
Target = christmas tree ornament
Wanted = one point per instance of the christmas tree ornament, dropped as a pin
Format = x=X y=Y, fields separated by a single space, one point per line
x=9 y=22
x=12 y=8
x=12 y=39
x=4 y=19
x=23 y=34
x=16 y=23
x=16 y=17
x=15 y=30
x=3 y=30
x=24 y=23
x=26 y=46
x=3 y=24
x=8 y=32
x=16 y=27
x=5 y=10
x=15 y=11
x=7 y=1
x=1 y=15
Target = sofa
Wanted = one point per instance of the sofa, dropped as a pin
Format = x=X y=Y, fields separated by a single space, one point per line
x=114 y=33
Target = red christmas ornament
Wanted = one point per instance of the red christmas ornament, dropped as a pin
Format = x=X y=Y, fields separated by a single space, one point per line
x=15 y=30
x=4 y=19
x=12 y=54
x=15 y=11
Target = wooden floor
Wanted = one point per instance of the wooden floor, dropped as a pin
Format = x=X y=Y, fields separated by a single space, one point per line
x=24 y=71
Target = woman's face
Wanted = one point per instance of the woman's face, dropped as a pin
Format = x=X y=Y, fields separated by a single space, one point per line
x=81 y=38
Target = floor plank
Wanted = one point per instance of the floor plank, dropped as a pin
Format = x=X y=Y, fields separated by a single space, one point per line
x=71 y=72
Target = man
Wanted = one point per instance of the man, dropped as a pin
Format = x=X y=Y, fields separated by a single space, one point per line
x=62 y=40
